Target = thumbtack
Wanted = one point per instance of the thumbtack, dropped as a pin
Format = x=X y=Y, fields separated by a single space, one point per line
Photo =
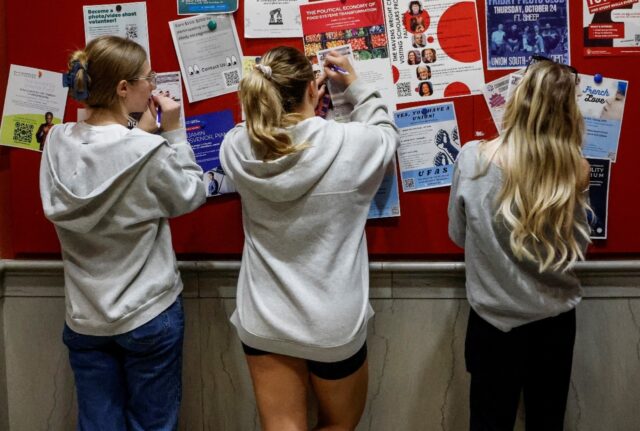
x=597 y=78
x=212 y=25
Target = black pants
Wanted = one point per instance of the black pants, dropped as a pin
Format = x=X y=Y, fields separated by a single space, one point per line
x=534 y=359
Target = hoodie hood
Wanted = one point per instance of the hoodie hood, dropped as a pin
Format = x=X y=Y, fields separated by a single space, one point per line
x=289 y=177
x=76 y=195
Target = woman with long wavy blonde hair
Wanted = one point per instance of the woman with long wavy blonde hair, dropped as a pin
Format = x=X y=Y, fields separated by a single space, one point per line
x=518 y=208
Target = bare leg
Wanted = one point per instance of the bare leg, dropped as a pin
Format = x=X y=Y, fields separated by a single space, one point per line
x=280 y=384
x=341 y=402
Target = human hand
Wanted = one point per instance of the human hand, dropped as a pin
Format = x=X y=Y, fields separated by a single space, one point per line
x=169 y=111
x=338 y=68
x=147 y=121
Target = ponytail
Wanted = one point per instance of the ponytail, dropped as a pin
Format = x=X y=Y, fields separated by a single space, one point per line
x=269 y=94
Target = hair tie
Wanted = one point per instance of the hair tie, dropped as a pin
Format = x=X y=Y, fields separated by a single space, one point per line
x=266 y=70
x=69 y=80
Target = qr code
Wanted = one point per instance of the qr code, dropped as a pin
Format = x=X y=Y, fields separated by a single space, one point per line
x=23 y=133
x=408 y=182
x=404 y=89
x=131 y=31
x=231 y=78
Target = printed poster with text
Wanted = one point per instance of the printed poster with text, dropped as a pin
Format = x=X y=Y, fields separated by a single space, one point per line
x=429 y=145
x=272 y=18
x=434 y=48
x=128 y=20
x=210 y=61
x=34 y=102
x=599 y=197
x=359 y=23
x=205 y=134
x=190 y=7
x=518 y=29
x=611 y=27
x=602 y=106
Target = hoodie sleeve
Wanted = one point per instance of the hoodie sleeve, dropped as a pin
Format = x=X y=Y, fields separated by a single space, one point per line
x=456 y=210
x=371 y=137
x=177 y=179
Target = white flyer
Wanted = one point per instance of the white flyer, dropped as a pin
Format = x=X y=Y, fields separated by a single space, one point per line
x=34 y=102
x=434 y=47
x=169 y=84
x=209 y=54
x=341 y=107
x=272 y=18
x=495 y=94
x=128 y=20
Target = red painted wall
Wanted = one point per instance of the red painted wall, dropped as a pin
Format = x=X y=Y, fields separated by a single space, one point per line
x=215 y=230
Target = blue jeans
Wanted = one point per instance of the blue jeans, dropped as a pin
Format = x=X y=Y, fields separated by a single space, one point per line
x=131 y=381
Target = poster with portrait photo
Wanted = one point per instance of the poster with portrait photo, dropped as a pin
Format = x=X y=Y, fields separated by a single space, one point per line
x=429 y=145
x=600 y=174
x=205 y=134
x=128 y=20
x=272 y=18
x=434 y=48
x=34 y=102
x=611 y=27
x=518 y=29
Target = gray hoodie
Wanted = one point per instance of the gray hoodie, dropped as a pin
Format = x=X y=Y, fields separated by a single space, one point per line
x=109 y=191
x=303 y=289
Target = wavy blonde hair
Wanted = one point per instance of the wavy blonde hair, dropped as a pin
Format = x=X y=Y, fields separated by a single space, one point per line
x=269 y=102
x=541 y=158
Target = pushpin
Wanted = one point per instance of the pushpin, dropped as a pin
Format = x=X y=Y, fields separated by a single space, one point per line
x=597 y=78
x=212 y=25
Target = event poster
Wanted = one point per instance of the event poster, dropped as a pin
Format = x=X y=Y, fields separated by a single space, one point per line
x=386 y=202
x=205 y=134
x=517 y=29
x=611 y=27
x=190 y=7
x=429 y=145
x=210 y=57
x=340 y=106
x=34 y=102
x=599 y=197
x=272 y=18
x=602 y=106
x=495 y=94
x=128 y=20
x=359 y=23
x=169 y=84
x=434 y=48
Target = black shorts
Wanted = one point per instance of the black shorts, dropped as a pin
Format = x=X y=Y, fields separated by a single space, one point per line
x=325 y=370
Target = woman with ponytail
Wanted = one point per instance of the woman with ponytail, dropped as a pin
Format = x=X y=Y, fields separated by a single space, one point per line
x=518 y=208
x=109 y=190
x=306 y=185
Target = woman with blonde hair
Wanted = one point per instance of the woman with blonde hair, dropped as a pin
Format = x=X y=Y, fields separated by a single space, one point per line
x=306 y=186
x=109 y=190
x=518 y=208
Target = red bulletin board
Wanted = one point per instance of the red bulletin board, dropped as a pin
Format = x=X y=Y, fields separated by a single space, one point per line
x=41 y=34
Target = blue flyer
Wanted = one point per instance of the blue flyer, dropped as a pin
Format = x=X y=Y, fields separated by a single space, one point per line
x=602 y=101
x=205 y=134
x=599 y=197
x=386 y=202
x=191 y=7
x=518 y=29
x=429 y=144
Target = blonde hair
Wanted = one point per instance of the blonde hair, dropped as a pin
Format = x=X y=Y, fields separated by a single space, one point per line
x=106 y=61
x=541 y=155
x=270 y=98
